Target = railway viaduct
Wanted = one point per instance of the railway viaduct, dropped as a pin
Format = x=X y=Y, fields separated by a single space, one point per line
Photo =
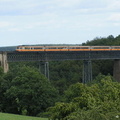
x=86 y=56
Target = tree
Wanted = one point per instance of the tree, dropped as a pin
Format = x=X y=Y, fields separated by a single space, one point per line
x=30 y=91
x=1 y=88
x=65 y=73
x=98 y=101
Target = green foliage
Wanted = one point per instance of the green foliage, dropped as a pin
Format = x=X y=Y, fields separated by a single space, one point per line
x=32 y=91
x=110 y=40
x=65 y=73
x=27 y=91
x=94 y=114
x=74 y=91
x=1 y=72
x=90 y=102
x=61 y=110
x=1 y=88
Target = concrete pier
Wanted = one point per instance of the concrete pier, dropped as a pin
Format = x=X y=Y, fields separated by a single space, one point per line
x=116 y=70
x=3 y=61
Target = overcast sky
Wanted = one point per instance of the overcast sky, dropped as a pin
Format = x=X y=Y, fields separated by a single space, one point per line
x=57 y=21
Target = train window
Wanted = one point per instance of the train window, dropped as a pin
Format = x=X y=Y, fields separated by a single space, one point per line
x=38 y=47
x=102 y=47
x=19 y=47
x=62 y=47
x=116 y=47
x=65 y=48
x=72 y=47
x=84 y=47
x=78 y=47
x=51 y=48
x=59 y=48
x=27 y=48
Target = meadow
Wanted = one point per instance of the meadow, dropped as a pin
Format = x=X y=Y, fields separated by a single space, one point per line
x=6 y=116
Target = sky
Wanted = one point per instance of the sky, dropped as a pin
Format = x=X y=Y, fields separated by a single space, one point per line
x=57 y=21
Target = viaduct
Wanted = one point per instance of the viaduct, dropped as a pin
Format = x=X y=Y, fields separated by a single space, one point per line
x=86 y=56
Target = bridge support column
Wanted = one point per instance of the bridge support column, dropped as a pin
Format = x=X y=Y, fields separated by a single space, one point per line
x=87 y=71
x=44 y=68
x=116 y=70
x=3 y=61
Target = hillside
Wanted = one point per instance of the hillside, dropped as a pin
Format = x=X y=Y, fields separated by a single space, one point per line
x=110 y=40
x=6 y=116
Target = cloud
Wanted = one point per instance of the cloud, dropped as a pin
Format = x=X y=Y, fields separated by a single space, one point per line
x=14 y=30
x=68 y=3
x=35 y=7
x=7 y=0
x=114 y=17
x=18 y=7
x=56 y=19
x=114 y=4
x=38 y=7
x=116 y=24
x=4 y=24
x=60 y=7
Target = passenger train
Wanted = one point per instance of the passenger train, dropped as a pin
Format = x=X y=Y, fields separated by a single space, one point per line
x=26 y=48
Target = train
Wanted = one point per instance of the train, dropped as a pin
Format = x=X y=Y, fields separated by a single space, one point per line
x=27 y=48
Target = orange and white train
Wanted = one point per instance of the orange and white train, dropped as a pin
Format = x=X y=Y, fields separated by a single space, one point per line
x=26 y=48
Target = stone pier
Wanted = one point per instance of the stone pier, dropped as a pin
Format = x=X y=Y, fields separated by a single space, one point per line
x=116 y=70
x=3 y=61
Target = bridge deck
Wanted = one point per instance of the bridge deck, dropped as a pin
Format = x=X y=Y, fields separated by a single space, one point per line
x=61 y=55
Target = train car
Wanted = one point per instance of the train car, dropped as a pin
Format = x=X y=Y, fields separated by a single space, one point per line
x=66 y=48
x=56 y=48
x=115 y=47
x=29 y=48
x=79 y=48
x=41 y=48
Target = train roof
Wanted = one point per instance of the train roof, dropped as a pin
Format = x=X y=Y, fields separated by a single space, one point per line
x=53 y=45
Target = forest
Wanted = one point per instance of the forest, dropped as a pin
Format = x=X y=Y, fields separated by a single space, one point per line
x=25 y=90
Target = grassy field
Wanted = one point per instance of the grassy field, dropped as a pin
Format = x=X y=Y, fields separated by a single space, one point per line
x=5 y=116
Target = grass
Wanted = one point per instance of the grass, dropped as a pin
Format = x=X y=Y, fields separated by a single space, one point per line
x=6 y=116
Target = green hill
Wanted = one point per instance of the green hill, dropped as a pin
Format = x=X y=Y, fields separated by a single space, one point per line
x=110 y=40
x=6 y=116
